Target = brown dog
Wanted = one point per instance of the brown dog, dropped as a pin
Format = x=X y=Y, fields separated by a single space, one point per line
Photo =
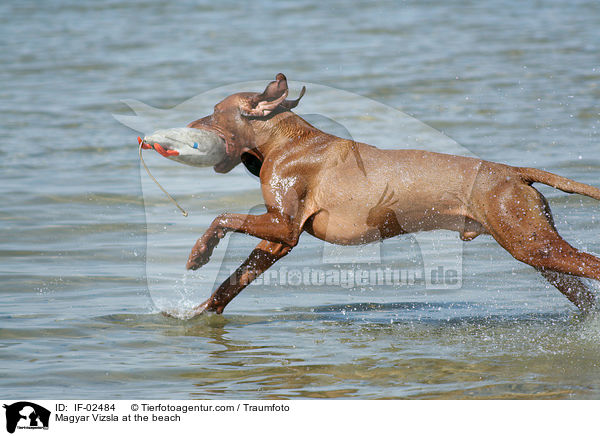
x=350 y=193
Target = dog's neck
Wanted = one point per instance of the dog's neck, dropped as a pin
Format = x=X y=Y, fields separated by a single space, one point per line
x=283 y=129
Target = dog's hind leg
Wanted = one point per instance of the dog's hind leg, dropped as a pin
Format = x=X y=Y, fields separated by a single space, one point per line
x=519 y=218
x=262 y=257
x=572 y=287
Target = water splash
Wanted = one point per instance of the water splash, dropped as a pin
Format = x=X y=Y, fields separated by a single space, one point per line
x=179 y=302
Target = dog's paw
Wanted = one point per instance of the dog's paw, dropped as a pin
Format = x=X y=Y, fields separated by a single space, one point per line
x=209 y=306
x=199 y=256
x=184 y=314
x=201 y=310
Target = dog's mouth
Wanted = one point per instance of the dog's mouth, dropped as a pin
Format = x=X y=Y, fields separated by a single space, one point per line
x=159 y=148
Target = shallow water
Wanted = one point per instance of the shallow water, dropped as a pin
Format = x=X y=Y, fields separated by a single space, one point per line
x=90 y=252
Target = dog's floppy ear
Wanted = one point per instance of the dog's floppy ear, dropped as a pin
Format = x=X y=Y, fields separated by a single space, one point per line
x=273 y=96
x=291 y=104
x=263 y=104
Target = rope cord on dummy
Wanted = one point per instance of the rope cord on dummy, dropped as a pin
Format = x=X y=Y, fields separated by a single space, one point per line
x=156 y=181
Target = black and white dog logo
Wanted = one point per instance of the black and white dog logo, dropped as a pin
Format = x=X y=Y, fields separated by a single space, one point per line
x=26 y=415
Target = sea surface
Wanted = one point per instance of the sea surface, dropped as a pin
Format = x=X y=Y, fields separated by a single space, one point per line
x=91 y=252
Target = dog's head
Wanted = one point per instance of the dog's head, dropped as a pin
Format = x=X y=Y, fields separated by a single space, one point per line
x=234 y=116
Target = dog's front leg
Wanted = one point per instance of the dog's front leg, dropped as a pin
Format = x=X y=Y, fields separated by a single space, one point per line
x=262 y=257
x=272 y=226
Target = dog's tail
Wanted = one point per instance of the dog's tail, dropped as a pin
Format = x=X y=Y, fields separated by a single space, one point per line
x=532 y=175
